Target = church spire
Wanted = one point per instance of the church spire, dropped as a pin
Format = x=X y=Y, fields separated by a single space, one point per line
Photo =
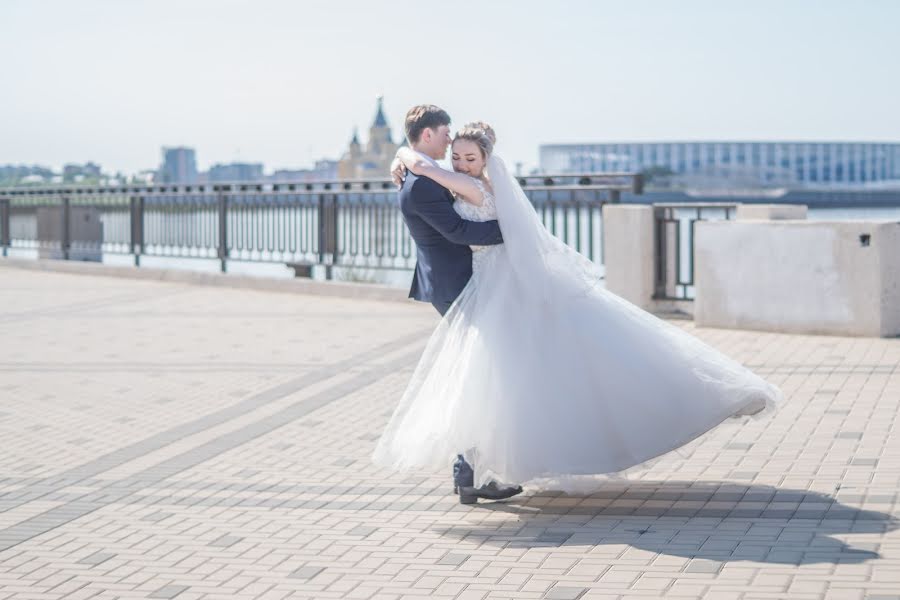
x=380 y=120
x=374 y=159
x=355 y=147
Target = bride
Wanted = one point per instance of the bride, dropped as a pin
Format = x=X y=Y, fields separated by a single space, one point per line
x=538 y=374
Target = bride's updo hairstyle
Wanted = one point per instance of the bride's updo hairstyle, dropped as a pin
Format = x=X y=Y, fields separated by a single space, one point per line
x=481 y=133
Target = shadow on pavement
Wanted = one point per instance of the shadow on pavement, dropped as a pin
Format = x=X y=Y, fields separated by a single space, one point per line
x=716 y=521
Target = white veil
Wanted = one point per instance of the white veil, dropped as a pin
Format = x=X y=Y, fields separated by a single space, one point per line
x=538 y=257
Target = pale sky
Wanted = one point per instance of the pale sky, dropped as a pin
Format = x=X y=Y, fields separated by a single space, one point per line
x=284 y=82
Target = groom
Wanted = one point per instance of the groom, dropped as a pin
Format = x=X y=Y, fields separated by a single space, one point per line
x=443 y=259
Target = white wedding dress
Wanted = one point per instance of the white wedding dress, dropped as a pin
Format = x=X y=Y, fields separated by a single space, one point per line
x=541 y=377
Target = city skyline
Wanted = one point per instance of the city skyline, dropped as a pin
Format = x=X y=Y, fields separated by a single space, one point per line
x=304 y=76
x=178 y=165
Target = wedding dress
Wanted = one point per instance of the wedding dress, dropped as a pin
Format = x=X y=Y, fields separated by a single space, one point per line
x=541 y=377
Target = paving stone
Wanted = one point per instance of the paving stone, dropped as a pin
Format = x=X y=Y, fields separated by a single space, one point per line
x=739 y=446
x=96 y=558
x=553 y=538
x=453 y=559
x=169 y=591
x=226 y=541
x=703 y=566
x=565 y=593
x=305 y=572
x=157 y=516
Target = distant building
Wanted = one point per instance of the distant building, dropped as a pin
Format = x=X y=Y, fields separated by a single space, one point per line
x=179 y=166
x=373 y=161
x=789 y=164
x=323 y=171
x=326 y=169
x=144 y=176
x=73 y=173
x=236 y=172
x=15 y=174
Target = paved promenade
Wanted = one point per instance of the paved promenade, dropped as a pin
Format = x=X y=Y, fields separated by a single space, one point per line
x=167 y=440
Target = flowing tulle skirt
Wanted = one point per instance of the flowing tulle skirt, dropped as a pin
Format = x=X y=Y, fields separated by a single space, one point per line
x=543 y=389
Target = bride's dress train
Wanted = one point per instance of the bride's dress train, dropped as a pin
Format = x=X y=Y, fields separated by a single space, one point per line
x=539 y=375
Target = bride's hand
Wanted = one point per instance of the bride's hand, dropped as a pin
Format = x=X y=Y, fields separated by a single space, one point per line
x=398 y=172
x=412 y=161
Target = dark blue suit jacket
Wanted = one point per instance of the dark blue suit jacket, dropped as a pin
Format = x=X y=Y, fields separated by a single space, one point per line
x=444 y=259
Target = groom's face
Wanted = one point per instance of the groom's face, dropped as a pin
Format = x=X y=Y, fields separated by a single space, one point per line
x=437 y=141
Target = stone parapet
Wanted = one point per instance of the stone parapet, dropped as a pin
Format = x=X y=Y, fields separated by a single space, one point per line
x=839 y=278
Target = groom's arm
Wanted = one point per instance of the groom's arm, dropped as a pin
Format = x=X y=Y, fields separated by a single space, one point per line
x=431 y=204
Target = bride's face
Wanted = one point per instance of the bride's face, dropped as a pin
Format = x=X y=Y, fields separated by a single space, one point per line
x=467 y=158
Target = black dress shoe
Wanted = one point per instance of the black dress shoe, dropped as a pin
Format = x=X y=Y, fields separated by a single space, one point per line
x=463 y=475
x=464 y=485
x=490 y=491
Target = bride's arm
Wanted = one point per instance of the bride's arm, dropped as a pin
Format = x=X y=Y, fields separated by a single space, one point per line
x=463 y=185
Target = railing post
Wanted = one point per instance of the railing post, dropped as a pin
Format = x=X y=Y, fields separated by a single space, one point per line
x=334 y=233
x=321 y=235
x=141 y=245
x=668 y=254
x=4 y=225
x=637 y=184
x=137 y=228
x=659 y=252
x=223 y=226
x=328 y=230
x=65 y=242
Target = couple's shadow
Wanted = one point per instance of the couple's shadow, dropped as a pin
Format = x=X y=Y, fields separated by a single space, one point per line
x=721 y=522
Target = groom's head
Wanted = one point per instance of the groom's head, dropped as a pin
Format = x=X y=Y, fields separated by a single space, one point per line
x=428 y=130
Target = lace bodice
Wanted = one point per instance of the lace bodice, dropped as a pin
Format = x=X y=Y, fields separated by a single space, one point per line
x=486 y=212
x=470 y=212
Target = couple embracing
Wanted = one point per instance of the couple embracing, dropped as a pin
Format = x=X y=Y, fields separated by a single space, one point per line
x=536 y=375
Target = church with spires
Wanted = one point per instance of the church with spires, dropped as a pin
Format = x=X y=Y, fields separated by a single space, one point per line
x=373 y=161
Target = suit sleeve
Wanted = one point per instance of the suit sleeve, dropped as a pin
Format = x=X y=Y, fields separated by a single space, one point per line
x=431 y=204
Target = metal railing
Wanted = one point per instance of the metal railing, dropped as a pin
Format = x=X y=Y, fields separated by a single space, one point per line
x=327 y=223
x=674 y=244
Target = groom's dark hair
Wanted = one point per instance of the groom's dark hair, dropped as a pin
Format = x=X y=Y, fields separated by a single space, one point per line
x=424 y=116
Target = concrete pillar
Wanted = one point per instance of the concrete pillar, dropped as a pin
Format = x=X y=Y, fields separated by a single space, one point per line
x=628 y=252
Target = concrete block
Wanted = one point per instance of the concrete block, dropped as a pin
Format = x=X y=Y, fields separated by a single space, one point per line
x=838 y=278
